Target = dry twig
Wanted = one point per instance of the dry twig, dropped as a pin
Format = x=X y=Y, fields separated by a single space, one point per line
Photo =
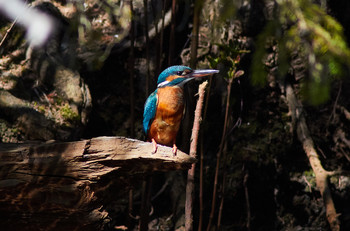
x=218 y=158
x=246 y=193
x=193 y=153
x=7 y=32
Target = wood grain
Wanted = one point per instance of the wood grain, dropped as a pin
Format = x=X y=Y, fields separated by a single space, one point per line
x=55 y=186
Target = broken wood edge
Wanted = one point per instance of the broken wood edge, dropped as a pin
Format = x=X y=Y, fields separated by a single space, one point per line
x=89 y=159
x=73 y=184
x=321 y=175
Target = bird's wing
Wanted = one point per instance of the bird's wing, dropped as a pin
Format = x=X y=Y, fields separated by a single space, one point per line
x=149 y=111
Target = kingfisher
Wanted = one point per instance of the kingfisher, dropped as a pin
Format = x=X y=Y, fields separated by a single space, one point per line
x=165 y=107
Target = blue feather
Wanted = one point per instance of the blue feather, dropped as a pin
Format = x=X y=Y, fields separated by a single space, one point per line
x=149 y=111
x=173 y=70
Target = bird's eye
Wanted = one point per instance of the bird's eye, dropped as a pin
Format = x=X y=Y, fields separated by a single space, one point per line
x=179 y=73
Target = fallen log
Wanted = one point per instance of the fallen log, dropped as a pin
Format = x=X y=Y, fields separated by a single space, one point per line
x=56 y=186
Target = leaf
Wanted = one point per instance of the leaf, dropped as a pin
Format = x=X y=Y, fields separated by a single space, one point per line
x=213 y=62
x=238 y=74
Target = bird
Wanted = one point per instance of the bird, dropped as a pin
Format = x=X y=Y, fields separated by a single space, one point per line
x=164 y=108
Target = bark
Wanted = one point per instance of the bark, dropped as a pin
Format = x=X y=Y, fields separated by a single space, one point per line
x=193 y=153
x=67 y=185
x=321 y=174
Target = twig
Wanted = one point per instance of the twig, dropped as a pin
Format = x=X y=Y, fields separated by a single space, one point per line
x=132 y=97
x=130 y=208
x=218 y=155
x=331 y=117
x=141 y=43
x=157 y=38
x=161 y=190
x=132 y=73
x=344 y=153
x=145 y=203
x=201 y=207
x=322 y=153
x=201 y=166
x=197 y=119
x=223 y=150
x=195 y=31
x=345 y=112
x=308 y=183
x=161 y=40
x=193 y=153
x=7 y=32
x=224 y=174
x=147 y=47
x=341 y=135
x=172 y=33
x=245 y=180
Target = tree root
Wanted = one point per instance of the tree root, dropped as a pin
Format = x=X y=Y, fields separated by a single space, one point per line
x=321 y=174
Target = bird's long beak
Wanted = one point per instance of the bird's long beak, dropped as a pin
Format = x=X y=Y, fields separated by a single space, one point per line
x=201 y=73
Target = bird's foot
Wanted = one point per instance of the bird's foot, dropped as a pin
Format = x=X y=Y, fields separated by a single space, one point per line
x=155 y=147
x=174 y=149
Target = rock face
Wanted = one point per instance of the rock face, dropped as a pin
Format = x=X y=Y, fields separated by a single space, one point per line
x=55 y=66
x=42 y=91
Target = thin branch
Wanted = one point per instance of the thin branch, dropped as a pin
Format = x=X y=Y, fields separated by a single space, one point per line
x=218 y=155
x=197 y=119
x=195 y=31
x=221 y=206
x=7 y=32
x=161 y=190
x=145 y=203
x=147 y=91
x=344 y=154
x=223 y=150
x=193 y=153
x=141 y=43
x=157 y=38
x=161 y=40
x=332 y=116
x=201 y=207
x=246 y=192
x=130 y=207
x=132 y=97
x=132 y=73
x=172 y=33
x=345 y=112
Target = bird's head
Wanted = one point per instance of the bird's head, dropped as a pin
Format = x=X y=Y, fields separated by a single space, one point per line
x=179 y=75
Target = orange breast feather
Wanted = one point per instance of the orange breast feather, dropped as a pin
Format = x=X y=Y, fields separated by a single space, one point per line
x=168 y=116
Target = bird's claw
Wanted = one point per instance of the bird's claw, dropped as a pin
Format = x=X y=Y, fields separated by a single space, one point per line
x=174 y=149
x=155 y=147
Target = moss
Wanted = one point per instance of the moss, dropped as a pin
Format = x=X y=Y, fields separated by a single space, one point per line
x=68 y=114
x=311 y=180
x=41 y=109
